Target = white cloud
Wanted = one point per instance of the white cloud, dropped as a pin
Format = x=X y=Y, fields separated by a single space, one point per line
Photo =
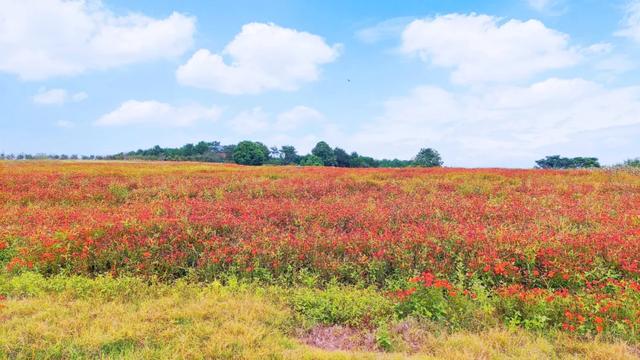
x=57 y=97
x=262 y=57
x=42 y=39
x=615 y=64
x=79 y=96
x=498 y=125
x=549 y=7
x=297 y=117
x=156 y=113
x=631 y=23
x=540 y=4
x=383 y=30
x=599 y=49
x=486 y=49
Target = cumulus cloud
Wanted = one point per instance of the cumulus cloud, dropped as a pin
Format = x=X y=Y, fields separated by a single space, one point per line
x=387 y=29
x=261 y=57
x=500 y=124
x=42 y=39
x=631 y=23
x=157 y=113
x=57 y=97
x=486 y=49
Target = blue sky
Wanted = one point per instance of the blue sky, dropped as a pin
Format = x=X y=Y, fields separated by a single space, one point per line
x=492 y=83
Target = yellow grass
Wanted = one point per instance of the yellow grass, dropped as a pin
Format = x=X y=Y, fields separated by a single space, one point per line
x=217 y=322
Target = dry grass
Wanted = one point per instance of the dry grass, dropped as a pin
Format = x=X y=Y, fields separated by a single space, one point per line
x=215 y=322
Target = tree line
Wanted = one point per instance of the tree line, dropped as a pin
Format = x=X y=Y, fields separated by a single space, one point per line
x=252 y=153
x=558 y=162
x=256 y=153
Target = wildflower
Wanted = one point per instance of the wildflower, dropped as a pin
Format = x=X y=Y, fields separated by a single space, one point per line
x=599 y=328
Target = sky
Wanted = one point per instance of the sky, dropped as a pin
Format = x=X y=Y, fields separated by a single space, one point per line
x=488 y=84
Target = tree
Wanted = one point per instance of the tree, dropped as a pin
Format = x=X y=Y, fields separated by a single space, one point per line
x=553 y=162
x=558 y=162
x=355 y=160
x=155 y=151
x=632 y=163
x=215 y=147
x=201 y=148
x=187 y=150
x=227 y=150
x=342 y=158
x=250 y=153
x=311 y=160
x=264 y=149
x=427 y=158
x=325 y=153
x=585 y=162
x=289 y=155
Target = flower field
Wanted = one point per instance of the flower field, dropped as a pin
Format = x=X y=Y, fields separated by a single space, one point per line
x=535 y=249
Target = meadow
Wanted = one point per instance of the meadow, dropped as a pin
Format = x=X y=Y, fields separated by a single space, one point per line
x=193 y=260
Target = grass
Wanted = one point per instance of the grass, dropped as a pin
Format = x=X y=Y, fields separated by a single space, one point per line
x=76 y=317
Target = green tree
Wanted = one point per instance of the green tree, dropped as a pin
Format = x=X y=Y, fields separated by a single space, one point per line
x=325 y=153
x=265 y=150
x=585 y=162
x=311 y=160
x=201 y=148
x=632 y=163
x=428 y=158
x=227 y=150
x=558 y=162
x=289 y=155
x=250 y=153
x=187 y=150
x=342 y=158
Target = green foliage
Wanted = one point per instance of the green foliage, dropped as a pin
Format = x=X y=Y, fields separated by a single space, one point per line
x=384 y=338
x=289 y=155
x=342 y=306
x=428 y=158
x=213 y=151
x=7 y=252
x=120 y=193
x=103 y=287
x=427 y=303
x=202 y=151
x=250 y=153
x=558 y=162
x=323 y=151
x=118 y=348
x=311 y=160
x=635 y=163
x=342 y=158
